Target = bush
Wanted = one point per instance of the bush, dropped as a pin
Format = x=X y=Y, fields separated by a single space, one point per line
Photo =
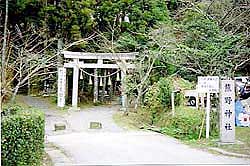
x=10 y=110
x=186 y=124
x=22 y=138
x=158 y=98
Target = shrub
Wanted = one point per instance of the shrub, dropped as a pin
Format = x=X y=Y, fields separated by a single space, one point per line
x=158 y=98
x=186 y=124
x=22 y=138
x=10 y=110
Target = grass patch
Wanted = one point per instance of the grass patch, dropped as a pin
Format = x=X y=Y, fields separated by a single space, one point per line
x=49 y=101
x=133 y=121
x=242 y=145
x=52 y=103
x=90 y=104
x=19 y=101
x=127 y=122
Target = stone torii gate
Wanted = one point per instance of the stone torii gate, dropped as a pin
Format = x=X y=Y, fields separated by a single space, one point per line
x=79 y=60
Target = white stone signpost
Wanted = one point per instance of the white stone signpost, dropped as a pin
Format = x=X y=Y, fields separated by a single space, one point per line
x=227 y=111
x=208 y=84
x=61 y=87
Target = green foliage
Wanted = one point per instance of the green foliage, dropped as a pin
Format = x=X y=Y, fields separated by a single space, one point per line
x=142 y=14
x=22 y=138
x=10 y=109
x=187 y=124
x=74 y=20
x=127 y=42
x=158 y=98
x=69 y=19
x=199 y=46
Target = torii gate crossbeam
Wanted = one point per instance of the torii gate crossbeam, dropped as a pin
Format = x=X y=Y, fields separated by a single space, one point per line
x=77 y=60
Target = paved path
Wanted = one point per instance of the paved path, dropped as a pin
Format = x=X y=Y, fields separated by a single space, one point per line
x=79 y=120
x=75 y=121
x=115 y=146
x=124 y=148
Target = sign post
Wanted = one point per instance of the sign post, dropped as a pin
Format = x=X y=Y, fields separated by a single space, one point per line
x=61 y=87
x=208 y=84
x=208 y=115
x=227 y=111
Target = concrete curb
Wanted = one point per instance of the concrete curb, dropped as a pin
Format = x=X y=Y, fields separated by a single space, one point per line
x=229 y=153
x=57 y=156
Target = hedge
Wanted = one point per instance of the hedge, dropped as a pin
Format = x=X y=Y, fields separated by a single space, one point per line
x=22 y=138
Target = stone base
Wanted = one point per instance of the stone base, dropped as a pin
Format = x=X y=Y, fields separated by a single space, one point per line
x=95 y=125
x=123 y=109
x=60 y=126
x=229 y=143
x=225 y=143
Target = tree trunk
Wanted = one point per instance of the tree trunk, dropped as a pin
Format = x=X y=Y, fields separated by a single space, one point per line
x=3 y=76
x=59 y=49
x=137 y=101
x=15 y=92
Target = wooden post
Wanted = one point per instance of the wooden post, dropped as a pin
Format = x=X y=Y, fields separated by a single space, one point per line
x=67 y=85
x=202 y=101
x=95 y=86
x=197 y=100
x=208 y=115
x=75 y=84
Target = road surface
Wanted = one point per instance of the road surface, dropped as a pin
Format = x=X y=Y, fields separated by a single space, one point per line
x=113 y=145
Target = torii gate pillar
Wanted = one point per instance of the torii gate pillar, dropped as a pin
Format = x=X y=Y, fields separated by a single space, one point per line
x=124 y=96
x=95 y=86
x=75 y=84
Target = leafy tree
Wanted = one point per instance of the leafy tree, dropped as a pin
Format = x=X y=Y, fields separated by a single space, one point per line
x=231 y=15
x=69 y=19
x=127 y=21
x=199 y=47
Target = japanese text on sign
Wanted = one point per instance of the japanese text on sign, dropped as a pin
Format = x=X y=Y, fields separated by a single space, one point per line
x=208 y=84
x=227 y=112
x=61 y=87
